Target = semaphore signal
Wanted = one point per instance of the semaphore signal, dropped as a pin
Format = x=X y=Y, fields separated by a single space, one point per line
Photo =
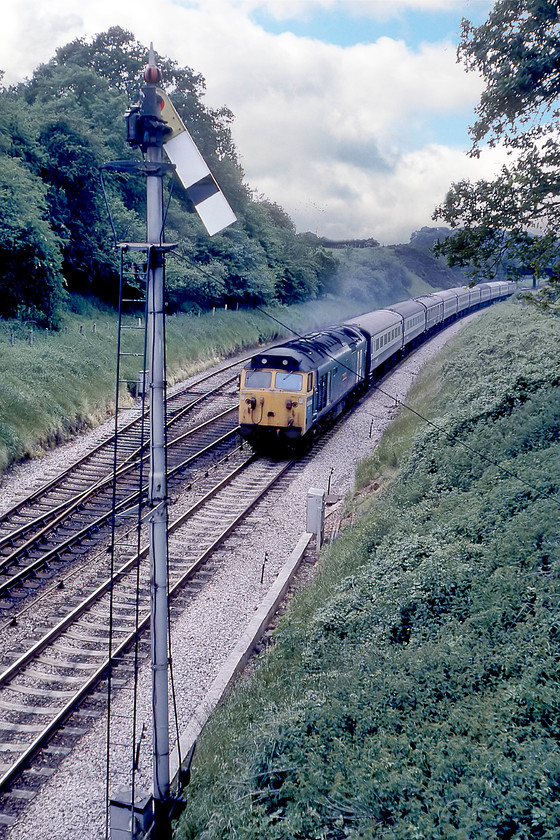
x=156 y=122
x=209 y=201
x=153 y=126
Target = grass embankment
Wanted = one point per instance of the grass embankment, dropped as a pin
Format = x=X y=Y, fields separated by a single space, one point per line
x=65 y=380
x=413 y=692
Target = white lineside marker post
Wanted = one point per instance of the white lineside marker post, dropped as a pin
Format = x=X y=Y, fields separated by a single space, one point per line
x=316 y=514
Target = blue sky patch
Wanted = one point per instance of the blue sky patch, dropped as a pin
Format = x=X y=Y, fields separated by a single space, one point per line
x=345 y=30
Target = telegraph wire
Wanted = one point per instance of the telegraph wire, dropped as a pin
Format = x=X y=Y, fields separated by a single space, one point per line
x=402 y=404
x=440 y=429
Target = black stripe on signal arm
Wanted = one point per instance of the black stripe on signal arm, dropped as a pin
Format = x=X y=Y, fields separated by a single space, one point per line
x=203 y=189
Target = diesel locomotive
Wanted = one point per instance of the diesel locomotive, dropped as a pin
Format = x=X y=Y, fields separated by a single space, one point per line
x=291 y=392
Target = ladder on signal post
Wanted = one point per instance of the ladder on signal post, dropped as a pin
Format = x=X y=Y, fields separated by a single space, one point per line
x=131 y=380
x=133 y=368
x=150 y=126
x=131 y=337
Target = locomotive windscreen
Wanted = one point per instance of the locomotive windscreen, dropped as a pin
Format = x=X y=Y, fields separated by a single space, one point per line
x=289 y=381
x=258 y=378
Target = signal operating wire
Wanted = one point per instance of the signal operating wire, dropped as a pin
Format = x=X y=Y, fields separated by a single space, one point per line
x=440 y=429
x=401 y=403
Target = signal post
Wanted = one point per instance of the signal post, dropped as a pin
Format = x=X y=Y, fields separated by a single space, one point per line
x=149 y=126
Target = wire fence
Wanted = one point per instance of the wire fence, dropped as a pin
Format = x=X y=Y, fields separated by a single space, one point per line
x=21 y=333
x=29 y=333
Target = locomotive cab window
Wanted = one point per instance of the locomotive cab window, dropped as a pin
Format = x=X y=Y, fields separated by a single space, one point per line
x=289 y=381
x=258 y=378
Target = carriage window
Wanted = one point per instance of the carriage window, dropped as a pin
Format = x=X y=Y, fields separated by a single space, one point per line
x=258 y=378
x=309 y=381
x=289 y=381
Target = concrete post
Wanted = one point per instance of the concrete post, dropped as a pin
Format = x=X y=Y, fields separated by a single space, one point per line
x=316 y=514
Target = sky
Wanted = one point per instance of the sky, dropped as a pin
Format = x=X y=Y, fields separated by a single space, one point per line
x=352 y=115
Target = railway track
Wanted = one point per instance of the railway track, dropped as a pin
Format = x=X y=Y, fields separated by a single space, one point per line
x=49 y=526
x=52 y=579
x=45 y=684
x=47 y=677
x=45 y=668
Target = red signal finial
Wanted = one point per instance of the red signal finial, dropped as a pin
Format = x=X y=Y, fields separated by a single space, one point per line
x=152 y=73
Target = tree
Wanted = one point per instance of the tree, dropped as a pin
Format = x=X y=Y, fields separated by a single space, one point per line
x=118 y=58
x=74 y=123
x=57 y=128
x=31 y=283
x=512 y=221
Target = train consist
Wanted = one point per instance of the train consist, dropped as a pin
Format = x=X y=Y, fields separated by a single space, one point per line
x=295 y=390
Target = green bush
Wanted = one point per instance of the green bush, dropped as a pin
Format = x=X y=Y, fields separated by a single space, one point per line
x=413 y=692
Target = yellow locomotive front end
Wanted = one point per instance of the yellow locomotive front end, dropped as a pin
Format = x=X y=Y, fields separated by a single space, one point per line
x=274 y=405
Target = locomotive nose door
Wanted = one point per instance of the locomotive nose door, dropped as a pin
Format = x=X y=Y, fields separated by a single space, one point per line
x=290 y=385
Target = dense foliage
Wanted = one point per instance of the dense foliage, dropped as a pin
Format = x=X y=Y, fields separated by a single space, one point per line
x=58 y=127
x=514 y=217
x=414 y=690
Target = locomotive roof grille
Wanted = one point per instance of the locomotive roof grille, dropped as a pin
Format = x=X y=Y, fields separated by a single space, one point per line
x=306 y=352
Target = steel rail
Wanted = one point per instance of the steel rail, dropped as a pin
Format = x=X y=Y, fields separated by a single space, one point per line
x=56 y=481
x=86 y=532
x=21 y=763
x=58 y=514
x=10 y=672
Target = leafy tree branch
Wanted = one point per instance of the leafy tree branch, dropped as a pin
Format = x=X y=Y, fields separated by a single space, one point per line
x=510 y=225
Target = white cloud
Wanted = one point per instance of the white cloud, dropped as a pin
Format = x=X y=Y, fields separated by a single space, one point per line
x=339 y=200
x=329 y=132
x=344 y=138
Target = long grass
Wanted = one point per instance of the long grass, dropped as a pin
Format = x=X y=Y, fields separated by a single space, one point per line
x=64 y=381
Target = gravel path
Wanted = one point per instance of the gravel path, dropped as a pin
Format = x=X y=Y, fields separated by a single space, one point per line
x=72 y=802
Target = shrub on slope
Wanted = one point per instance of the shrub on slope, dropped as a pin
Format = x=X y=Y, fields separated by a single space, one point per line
x=414 y=690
